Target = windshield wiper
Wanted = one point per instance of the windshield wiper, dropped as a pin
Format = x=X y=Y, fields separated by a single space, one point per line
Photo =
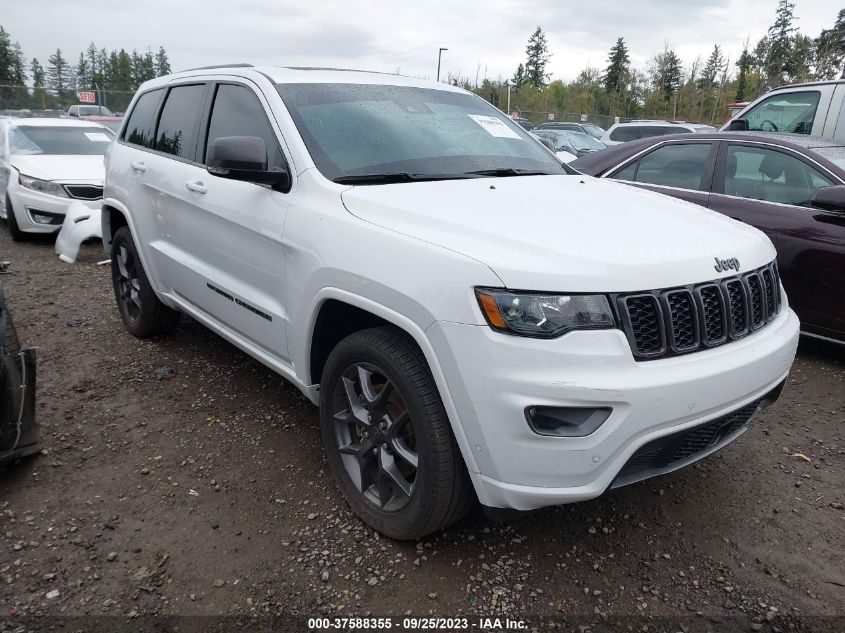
x=378 y=179
x=508 y=171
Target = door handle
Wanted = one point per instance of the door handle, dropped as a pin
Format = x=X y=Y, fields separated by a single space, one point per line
x=138 y=165
x=196 y=186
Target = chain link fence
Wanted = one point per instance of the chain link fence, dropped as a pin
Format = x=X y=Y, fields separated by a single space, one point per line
x=537 y=117
x=34 y=101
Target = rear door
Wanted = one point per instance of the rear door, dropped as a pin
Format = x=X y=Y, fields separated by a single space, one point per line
x=770 y=187
x=682 y=169
x=229 y=238
x=174 y=183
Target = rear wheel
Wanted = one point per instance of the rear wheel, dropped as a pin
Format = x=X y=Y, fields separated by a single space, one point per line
x=140 y=308
x=388 y=438
x=12 y=222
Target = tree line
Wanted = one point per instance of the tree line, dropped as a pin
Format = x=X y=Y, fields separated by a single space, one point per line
x=116 y=74
x=667 y=88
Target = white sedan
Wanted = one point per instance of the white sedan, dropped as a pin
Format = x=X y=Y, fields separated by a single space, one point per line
x=46 y=165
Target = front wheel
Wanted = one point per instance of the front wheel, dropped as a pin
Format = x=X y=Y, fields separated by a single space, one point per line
x=388 y=438
x=142 y=312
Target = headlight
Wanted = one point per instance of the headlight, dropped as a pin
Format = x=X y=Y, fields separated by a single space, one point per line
x=544 y=315
x=44 y=186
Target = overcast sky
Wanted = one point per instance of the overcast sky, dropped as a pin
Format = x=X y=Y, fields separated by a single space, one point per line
x=389 y=35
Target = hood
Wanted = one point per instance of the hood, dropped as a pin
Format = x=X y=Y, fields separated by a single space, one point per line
x=60 y=168
x=566 y=233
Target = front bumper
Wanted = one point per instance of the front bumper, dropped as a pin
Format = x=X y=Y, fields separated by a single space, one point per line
x=26 y=201
x=493 y=378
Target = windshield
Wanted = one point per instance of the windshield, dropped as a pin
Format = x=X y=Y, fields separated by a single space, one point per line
x=835 y=155
x=64 y=140
x=91 y=110
x=369 y=130
x=593 y=130
x=583 y=141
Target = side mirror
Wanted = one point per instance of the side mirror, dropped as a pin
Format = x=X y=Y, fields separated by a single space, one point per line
x=738 y=125
x=829 y=199
x=244 y=158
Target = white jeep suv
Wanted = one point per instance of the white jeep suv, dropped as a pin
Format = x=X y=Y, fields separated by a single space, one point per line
x=473 y=319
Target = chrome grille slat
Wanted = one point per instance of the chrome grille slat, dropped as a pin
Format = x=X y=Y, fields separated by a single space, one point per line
x=662 y=323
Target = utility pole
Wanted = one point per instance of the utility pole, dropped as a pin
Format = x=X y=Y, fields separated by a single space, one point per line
x=439 y=54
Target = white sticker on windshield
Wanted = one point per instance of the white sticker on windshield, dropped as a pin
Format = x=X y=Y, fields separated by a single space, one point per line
x=98 y=137
x=494 y=126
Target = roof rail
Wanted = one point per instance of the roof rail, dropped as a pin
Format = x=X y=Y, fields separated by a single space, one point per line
x=218 y=66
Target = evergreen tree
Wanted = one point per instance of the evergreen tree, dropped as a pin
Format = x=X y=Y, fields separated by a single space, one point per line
x=39 y=95
x=667 y=74
x=744 y=65
x=780 y=62
x=6 y=60
x=162 y=63
x=829 y=50
x=84 y=80
x=618 y=71
x=59 y=77
x=519 y=77
x=537 y=53
x=18 y=66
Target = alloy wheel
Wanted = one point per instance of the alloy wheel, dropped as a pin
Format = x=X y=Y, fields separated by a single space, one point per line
x=375 y=436
x=128 y=286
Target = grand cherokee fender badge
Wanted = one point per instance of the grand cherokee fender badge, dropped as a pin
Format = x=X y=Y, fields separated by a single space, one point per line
x=726 y=264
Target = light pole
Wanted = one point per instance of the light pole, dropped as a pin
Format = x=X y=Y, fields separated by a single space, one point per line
x=439 y=54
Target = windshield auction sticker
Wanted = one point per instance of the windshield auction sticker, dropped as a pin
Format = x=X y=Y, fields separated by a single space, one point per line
x=98 y=137
x=494 y=126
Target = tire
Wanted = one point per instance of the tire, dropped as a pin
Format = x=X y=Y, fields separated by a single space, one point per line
x=140 y=308
x=12 y=222
x=380 y=375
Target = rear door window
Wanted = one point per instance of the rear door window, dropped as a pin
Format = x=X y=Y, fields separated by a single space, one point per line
x=626 y=133
x=140 y=127
x=786 y=112
x=238 y=112
x=764 y=174
x=178 y=124
x=682 y=166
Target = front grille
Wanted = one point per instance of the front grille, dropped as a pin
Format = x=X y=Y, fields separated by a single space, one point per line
x=84 y=192
x=663 y=453
x=663 y=323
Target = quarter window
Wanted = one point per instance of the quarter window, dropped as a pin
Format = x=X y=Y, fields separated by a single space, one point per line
x=238 y=112
x=677 y=165
x=140 y=128
x=785 y=112
x=772 y=176
x=177 y=126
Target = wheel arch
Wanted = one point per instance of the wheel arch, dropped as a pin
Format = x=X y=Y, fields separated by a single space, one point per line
x=335 y=303
x=113 y=216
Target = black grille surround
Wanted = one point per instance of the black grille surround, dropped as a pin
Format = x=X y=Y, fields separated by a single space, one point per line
x=84 y=192
x=674 y=321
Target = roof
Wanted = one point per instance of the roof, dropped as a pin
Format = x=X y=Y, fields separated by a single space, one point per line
x=598 y=162
x=51 y=122
x=649 y=122
x=301 y=74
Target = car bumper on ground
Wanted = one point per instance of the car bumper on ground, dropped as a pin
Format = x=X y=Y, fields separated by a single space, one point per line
x=498 y=377
x=82 y=222
x=30 y=206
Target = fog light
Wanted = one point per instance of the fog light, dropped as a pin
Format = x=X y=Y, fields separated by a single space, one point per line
x=566 y=421
x=45 y=217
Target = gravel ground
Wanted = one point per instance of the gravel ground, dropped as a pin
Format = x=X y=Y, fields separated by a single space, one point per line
x=181 y=477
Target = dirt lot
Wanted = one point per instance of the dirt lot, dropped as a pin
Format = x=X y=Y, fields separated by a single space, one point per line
x=181 y=477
